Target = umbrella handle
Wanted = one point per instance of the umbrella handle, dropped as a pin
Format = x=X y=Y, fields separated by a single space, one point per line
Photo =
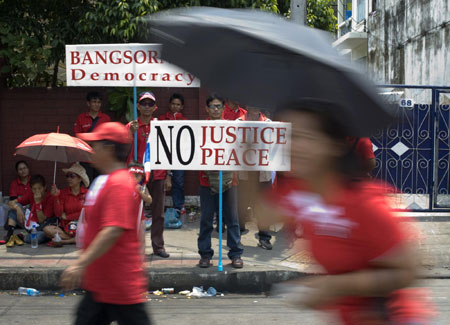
x=54 y=174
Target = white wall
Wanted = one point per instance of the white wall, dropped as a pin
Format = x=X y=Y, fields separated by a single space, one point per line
x=424 y=59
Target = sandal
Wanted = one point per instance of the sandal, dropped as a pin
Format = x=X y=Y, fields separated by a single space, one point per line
x=53 y=244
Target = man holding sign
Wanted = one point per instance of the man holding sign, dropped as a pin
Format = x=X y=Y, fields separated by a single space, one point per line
x=219 y=148
x=160 y=180
x=209 y=198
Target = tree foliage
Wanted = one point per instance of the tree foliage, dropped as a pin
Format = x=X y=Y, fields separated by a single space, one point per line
x=33 y=34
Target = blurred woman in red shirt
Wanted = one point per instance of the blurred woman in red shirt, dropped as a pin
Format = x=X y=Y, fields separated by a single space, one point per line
x=368 y=255
x=67 y=206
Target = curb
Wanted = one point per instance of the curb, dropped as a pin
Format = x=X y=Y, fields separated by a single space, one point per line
x=251 y=279
x=247 y=280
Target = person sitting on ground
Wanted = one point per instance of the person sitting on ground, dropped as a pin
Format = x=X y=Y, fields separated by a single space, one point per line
x=68 y=203
x=19 y=187
x=176 y=106
x=209 y=202
x=40 y=213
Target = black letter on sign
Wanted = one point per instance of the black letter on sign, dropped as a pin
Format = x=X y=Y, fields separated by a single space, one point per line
x=168 y=152
x=191 y=133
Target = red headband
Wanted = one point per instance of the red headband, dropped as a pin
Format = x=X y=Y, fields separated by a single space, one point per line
x=136 y=170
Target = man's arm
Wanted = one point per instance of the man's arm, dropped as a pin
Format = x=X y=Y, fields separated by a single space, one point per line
x=102 y=243
x=20 y=215
x=77 y=127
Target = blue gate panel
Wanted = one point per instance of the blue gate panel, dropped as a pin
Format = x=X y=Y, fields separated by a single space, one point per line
x=404 y=152
x=443 y=149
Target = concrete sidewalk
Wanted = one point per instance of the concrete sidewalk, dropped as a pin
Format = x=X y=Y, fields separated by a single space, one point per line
x=40 y=268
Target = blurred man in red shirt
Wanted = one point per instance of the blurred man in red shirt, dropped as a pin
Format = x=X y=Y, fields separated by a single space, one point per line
x=87 y=121
x=110 y=267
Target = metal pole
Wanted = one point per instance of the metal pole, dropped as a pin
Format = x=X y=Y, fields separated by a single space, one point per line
x=220 y=265
x=135 y=118
x=298 y=11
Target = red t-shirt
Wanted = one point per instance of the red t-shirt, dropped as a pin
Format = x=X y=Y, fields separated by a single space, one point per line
x=142 y=136
x=261 y=117
x=229 y=114
x=84 y=122
x=18 y=189
x=46 y=205
x=363 y=149
x=346 y=235
x=70 y=204
x=172 y=116
x=117 y=277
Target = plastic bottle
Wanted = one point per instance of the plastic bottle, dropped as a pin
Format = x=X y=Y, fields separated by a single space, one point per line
x=28 y=291
x=57 y=238
x=34 y=240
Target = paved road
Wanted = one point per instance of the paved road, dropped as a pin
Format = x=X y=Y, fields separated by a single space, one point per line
x=235 y=309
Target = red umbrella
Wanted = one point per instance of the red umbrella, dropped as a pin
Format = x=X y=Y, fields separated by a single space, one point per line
x=55 y=147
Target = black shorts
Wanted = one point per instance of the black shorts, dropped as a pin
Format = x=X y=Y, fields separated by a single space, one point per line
x=90 y=312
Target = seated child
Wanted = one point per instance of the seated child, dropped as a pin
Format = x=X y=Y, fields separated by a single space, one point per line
x=40 y=213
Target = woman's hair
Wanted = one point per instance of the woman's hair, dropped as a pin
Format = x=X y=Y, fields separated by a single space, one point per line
x=332 y=122
x=177 y=96
x=21 y=162
x=37 y=179
x=213 y=96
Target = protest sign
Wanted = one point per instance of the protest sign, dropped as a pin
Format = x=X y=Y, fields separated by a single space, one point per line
x=123 y=65
x=220 y=145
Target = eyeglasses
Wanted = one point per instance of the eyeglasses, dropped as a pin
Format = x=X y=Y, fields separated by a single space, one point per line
x=218 y=106
x=71 y=175
x=149 y=104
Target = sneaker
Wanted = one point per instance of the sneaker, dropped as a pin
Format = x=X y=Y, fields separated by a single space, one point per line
x=148 y=223
x=18 y=241
x=11 y=241
x=265 y=244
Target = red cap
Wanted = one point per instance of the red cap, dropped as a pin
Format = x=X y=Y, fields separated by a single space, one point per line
x=112 y=131
x=145 y=95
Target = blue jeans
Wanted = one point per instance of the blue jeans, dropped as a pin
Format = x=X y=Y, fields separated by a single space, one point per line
x=178 y=189
x=209 y=203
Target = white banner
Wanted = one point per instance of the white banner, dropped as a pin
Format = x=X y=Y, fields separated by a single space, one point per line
x=123 y=65
x=220 y=145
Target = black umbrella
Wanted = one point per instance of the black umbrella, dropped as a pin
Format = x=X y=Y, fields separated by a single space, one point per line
x=263 y=60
